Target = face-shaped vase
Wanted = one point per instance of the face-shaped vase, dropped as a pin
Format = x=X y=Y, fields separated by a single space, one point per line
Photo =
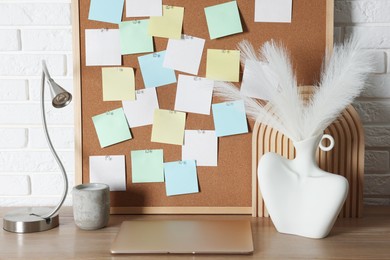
x=301 y=198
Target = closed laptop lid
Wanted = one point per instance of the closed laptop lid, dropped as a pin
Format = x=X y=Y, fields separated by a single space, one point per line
x=184 y=237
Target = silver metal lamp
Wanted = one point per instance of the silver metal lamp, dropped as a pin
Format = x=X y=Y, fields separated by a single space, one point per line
x=35 y=219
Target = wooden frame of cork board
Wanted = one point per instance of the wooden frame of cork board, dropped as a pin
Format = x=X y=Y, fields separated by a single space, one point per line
x=226 y=189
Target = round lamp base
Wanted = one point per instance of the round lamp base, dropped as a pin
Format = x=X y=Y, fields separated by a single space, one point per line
x=28 y=220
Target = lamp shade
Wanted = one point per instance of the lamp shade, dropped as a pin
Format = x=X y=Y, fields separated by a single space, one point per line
x=60 y=97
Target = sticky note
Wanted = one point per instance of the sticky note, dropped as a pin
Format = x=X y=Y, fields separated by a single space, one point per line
x=140 y=112
x=181 y=178
x=102 y=47
x=169 y=25
x=153 y=72
x=135 y=38
x=257 y=80
x=110 y=170
x=111 y=127
x=147 y=166
x=223 y=65
x=184 y=54
x=273 y=11
x=168 y=127
x=106 y=11
x=229 y=118
x=118 y=84
x=201 y=146
x=139 y=8
x=223 y=19
x=194 y=94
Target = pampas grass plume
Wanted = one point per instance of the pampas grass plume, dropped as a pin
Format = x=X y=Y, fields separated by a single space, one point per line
x=343 y=78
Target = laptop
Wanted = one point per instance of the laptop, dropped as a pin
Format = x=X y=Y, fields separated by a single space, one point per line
x=184 y=237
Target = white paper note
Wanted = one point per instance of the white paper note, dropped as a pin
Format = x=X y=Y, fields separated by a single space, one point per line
x=273 y=11
x=257 y=80
x=184 y=54
x=140 y=111
x=109 y=170
x=202 y=146
x=141 y=8
x=102 y=47
x=194 y=94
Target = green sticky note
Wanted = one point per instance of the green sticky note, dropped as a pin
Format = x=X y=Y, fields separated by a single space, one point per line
x=223 y=19
x=169 y=25
x=135 y=38
x=147 y=166
x=118 y=84
x=223 y=65
x=111 y=127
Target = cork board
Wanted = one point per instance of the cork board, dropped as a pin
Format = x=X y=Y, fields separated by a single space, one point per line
x=223 y=189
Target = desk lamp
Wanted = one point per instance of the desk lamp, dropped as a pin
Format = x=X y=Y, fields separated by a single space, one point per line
x=35 y=219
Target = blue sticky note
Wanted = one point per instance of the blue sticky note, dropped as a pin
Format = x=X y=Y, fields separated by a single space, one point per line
x=109 y=11
x=153 y=72
x=181 y=177
x=229 y=118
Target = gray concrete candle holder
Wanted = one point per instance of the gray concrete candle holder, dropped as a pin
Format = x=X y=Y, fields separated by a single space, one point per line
x=91 y=205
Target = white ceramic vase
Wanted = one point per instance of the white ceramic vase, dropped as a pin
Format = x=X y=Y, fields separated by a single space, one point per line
x=301 y=198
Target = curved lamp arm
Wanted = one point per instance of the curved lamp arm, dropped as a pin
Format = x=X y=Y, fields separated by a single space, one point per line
x=45 y=74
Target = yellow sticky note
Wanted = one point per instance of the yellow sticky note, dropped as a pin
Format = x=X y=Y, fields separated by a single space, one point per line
x=168 y=25
x=168 y=127
x=118 y=84
x=223 y=65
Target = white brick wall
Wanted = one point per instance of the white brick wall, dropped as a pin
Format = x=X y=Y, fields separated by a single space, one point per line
x=32 y=30
x=31 y=13
x=15 y=185
x=378 y=87
x=13 y=90
x=26 y=64
x=13 y=138
x=362 y=11
x=9 y=40
x=40 y=29
x=46 y=39
x=370 y=20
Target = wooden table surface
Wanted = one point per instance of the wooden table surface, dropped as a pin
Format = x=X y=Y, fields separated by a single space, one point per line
x=364 y=238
